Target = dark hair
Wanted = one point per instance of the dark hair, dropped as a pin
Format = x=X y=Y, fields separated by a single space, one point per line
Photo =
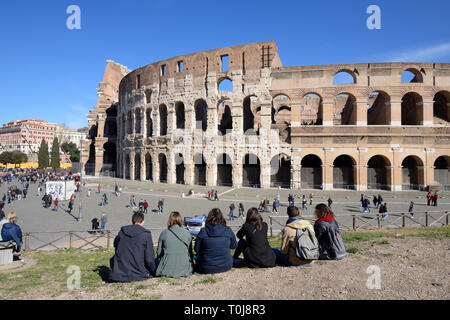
x=322 y=210
x=215 y=216
x=292 y=211
x=137 y=217
x=254 y=217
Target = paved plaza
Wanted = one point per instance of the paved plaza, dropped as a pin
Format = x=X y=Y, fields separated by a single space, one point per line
x=34 y=218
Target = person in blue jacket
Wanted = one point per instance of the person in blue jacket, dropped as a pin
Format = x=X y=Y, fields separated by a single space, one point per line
x=213 y=244
x=11 y=231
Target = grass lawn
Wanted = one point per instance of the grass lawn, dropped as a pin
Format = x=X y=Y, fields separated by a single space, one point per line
x=49 y=275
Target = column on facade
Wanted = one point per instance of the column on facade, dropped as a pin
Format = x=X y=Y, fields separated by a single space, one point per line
x=211 y=174
x=132 y=164
x=171 y=119
x=155 y=161
x=429 y=167
x=156 y=122
x=362 y=169
x=143 y=168
x=396 y=112
x=143 y=123
x=296 y=167
x=296 y=111
x=328 y=106
x=171 y=168
x=327 y=169
x=361 y=111
x=427 y=111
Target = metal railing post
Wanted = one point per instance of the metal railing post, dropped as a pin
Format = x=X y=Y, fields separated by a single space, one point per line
x=403 y=220
x=379 y=221
x=108 y=238
x=271 y=231
x=27 y=241
x=70 y=240
x=426 y=219
x=354 y=222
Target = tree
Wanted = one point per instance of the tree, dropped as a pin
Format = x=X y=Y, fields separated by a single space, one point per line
x=43 y=155
x=55 y=160
x=18 y=157
x=6 y=157
x=72 y=149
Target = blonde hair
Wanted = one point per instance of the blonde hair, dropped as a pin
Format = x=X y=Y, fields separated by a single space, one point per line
x=175 y=218
x=12 y=217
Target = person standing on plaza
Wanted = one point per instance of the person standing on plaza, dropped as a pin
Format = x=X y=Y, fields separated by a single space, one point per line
x=216 y=196
x=429 y=196
x=411 y=208
x=380 y=201
x=274 y=206
x=330 y=201
x=103 y=220
x=231 y=213
x=375 y=201
x=70 y=206
x=310 y=199
x=99 y=188
x=435 y=199
x=383 y=210
x=160 y=206
x=56 y=202
x=145 y=206
x=209 y=194
x=241 y=210
x=278 y=199
x=304 y=207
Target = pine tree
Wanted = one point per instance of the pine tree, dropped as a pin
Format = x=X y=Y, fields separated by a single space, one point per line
x=43 y=155
x=54 y=160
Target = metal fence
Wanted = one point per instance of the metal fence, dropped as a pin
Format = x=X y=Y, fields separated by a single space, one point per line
x=82 y=240
x=374 y=221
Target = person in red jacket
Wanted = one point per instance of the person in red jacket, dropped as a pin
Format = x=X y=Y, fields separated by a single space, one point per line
x=56 y=202
x=435 y=198
x=145 y=206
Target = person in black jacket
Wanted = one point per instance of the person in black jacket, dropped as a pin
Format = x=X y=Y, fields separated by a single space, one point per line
x=213 y=244
x=255 y=247
x=134 y=258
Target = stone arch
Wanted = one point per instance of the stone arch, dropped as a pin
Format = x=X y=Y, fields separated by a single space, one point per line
x=137 y=121
x=441 y=108
x=442 y=172
x=149 y=122
x=379 y=173
x=148 y=167
x=248 y=116
x=379 y=108
x=344 y=172
x=179 y=168
x=225 y=84
x=201 y=114
x=109 y=157
x=412 y=109
x=199 y=169
x=411 y=75
x=412 y=173
x=312 y=109
x=137 y=167
x=180 y=115
x=127 y=167
x=162 y=160
x=224 y=170
x=251 y=171
x=344 y=76
x=163 y=120
x=280 y=171
x=345 y=108
x=225 y=118
x=311 y=172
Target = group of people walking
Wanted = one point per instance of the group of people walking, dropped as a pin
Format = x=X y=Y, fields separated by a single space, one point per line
x=177 y=255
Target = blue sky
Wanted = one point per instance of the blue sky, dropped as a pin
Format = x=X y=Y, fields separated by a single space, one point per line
x=51 y=73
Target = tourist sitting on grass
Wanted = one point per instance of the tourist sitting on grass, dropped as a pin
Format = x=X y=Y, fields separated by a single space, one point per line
x=12 y=232
x=134 y=258
x=255 y=247
x=287 y=255
x=213 y=244
x=331 y=243
x=174 y=253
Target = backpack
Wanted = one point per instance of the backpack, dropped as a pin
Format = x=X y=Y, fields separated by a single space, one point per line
x=337 y=246
x=307 y=246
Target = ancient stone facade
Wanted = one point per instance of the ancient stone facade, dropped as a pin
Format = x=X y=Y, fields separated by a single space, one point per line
x=276 y=126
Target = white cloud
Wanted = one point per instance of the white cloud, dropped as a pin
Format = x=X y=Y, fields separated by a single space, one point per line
x=422 y=54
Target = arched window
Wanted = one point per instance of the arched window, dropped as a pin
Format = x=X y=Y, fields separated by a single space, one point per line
x=411 y=75
x=226 y=85
x=379 y=108
x=345 y=109
x=412 y=109
x=344 y=77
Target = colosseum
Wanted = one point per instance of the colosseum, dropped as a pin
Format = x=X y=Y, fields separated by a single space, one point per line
x=236 y=116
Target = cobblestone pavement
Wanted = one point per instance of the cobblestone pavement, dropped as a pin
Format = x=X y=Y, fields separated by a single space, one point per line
x=34 y=218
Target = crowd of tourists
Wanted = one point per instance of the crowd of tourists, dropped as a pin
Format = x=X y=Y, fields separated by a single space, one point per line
x=178 y=255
